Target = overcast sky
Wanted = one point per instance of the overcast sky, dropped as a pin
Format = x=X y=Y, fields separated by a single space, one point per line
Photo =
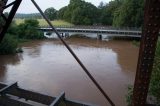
x=27 y=6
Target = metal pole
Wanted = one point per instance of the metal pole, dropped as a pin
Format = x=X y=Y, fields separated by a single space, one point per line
x=147 y=52
x=10 y=17
x=74 y=55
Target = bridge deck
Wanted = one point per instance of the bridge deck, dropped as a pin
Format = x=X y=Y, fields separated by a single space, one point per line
x=112 y=32
x=12 y=94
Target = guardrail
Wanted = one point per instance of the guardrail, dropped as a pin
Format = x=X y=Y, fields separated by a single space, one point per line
x=96 y=27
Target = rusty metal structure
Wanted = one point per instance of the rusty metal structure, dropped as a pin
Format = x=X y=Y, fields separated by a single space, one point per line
x=7 y=19
x=12 y=94
x=149 y=39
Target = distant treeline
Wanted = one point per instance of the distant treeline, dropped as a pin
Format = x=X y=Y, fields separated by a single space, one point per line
x=29 y=16
x=117 y=13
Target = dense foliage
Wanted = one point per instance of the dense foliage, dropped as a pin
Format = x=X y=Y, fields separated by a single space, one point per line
x=118 y=13
x=129 y=14
x=108 y=10
x=8 y=45
x=27 y=30
x=79 y=12
x=51 y=13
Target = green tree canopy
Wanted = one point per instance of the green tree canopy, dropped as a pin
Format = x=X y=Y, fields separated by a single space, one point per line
x=60 y=14
x=8 y=45
x=27 y=30
x=80 y=12
x=107 y=11
x=129 y=14
x=118 y=13
x=51 y=13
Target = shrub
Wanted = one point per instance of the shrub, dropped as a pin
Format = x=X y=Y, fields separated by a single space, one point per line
x=8 y=45
x=27 y=30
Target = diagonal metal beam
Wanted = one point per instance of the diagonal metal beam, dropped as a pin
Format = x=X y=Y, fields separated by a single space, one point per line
x=8 y=88
x=58 y=100
x=147 y=52
x=4 y=17
x=10 y=18
x=8 y=101
x=2 y=4
x=9 y=5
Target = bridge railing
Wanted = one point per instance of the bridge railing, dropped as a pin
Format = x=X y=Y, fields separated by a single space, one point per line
x=95 y=27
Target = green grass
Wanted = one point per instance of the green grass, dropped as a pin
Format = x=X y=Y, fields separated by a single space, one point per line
x=42 y=22
x=19 y=21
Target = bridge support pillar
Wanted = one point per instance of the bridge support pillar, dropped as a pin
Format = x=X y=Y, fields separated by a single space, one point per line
x=99 y=36
x=62 y=35
x=66 y=35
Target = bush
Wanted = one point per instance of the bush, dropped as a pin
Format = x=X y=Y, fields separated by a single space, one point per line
x=12 y=30
x=8 y=45
x=27 y=30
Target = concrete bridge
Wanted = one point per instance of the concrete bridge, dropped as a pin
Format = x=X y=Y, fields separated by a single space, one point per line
x=99 y=32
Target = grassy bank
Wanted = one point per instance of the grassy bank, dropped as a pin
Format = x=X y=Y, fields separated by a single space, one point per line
x=42 y=22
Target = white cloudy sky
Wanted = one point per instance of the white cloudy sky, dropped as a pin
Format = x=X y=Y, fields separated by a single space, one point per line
x=27 y=6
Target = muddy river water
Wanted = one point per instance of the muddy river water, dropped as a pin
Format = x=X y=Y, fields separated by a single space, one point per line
x=47 y=67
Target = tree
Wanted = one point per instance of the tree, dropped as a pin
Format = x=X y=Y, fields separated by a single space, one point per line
x=80 y=12
x=107 y=12
x=51 y=13
x=77 y=17
x=12 y=30
x=101 y=5
x=129 y=14
x=27 y=30
x=60 y=14
x=8 y=45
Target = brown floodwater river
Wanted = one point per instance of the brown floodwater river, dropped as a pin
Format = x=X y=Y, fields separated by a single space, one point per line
x=47 y=67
